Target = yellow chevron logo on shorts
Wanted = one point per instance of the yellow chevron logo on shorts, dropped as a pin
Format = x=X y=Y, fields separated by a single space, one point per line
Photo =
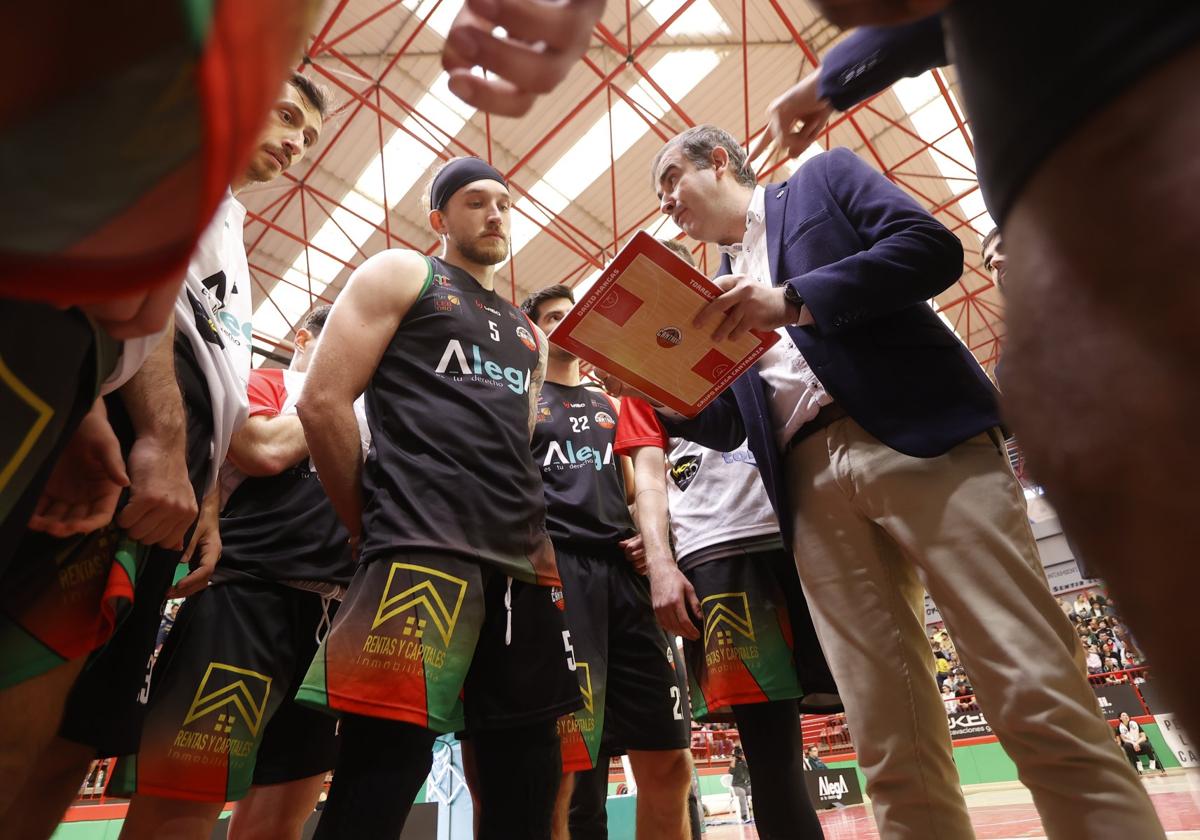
x=424 y=594
x=225 y=685
x=585 y=685
x=731 y=609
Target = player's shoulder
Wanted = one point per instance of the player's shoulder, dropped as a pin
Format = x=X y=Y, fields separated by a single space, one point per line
x=393 y=273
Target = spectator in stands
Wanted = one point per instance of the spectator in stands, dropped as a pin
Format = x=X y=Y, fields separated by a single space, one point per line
x=1136 y=744
x=1095 y=664
x=740 y=783
x=948 y=698
x=1083 y=607
x=943 y=669
x=812 y=760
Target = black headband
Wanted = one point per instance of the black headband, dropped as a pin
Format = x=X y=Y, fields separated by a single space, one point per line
x=456 y=175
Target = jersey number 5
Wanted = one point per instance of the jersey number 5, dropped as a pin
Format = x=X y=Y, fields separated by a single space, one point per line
x=494 y=330
x=570 y=649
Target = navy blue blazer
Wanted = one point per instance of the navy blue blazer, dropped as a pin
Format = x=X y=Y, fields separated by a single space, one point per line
x=865 y=258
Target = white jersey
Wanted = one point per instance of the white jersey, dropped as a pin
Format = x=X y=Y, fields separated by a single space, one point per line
x=715 y=498
x=213 y=310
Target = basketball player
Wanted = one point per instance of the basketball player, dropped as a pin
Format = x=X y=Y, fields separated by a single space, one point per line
x=241 y=646
x=449 y=622
x=623 y=658
x=175 y=418
x=758 y=655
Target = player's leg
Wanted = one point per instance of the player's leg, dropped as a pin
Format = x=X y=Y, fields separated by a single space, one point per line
x=372 y=669
x=518 y=686
x=225 y=671
x=381 y=766
x=37 y=704
x=1117 y=204
x=49 y=789
x=157 y=817
x=519 y=774
x=560 y=828
x=276 y=812
x=299 y=747
x=663 y=777
x=61 y=599
x=645 y=706
x=770 y=735
x=588 y=818
x=585 y=603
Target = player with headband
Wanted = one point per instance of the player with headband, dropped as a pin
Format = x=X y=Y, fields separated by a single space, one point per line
x=448 y=623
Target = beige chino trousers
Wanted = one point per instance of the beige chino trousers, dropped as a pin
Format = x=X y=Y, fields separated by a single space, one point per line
x=874 y=529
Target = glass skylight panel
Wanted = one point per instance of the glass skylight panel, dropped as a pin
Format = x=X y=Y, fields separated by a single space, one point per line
x=677 y=73
x=931 y=118
x=701 y=18
x=442 y=18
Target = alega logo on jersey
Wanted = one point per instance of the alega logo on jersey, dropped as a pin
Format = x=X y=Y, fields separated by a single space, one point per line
x=568 y=455
x=455 y=356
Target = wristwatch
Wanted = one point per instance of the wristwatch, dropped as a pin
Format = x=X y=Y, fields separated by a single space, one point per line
x=793 y=298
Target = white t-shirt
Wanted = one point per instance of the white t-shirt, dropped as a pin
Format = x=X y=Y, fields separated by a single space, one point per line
x=796 y=393
x=218 y=285
x=715 y=498
x=1130 y=732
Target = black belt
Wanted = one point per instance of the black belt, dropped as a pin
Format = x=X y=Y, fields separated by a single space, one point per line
x=826 y=417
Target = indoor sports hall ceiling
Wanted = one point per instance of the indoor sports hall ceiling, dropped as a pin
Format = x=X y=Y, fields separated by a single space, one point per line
x=580 y=159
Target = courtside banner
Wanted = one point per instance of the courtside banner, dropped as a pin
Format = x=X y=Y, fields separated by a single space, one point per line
x=636 y=323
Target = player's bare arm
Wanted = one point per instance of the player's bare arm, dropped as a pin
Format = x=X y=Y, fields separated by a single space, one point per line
x=538 y=377
x=367 y=313
x=268 y=445
x=161 y=504
x=674 y=599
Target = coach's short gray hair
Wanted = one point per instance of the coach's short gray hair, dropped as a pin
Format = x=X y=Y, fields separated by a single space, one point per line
x=697 y=145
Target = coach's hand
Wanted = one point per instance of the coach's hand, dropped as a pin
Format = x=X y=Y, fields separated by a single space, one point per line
x=161 y=503
x=675 y=603
x=795 y=118
x=206 y=540
x=748 y=305
x=85 y=484
x=543 y=40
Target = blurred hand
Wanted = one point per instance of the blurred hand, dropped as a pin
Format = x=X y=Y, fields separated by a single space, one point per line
x=748 y=305
x=85 y=484
x=206 y=540
x=795 y=118
x=161 y=503
x=635 y=553
x=851 y=13
x=544 y=39
x=675 y=603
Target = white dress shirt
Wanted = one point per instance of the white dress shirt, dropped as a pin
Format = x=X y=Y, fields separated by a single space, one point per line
x=796 y=393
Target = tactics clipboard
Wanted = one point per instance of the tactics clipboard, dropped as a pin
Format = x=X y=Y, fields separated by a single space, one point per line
x=636 y=323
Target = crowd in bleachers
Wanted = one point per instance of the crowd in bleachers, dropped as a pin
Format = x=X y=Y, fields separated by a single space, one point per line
x=1111 y=655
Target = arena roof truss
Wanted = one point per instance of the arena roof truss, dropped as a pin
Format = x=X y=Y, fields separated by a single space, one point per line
x=579 y=161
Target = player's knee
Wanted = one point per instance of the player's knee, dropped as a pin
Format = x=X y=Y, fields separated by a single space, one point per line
x=668 y=772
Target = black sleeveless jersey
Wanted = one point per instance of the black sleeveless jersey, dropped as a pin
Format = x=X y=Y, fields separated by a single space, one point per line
x=449 y=467
x=573 y=444
x=282 y=527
